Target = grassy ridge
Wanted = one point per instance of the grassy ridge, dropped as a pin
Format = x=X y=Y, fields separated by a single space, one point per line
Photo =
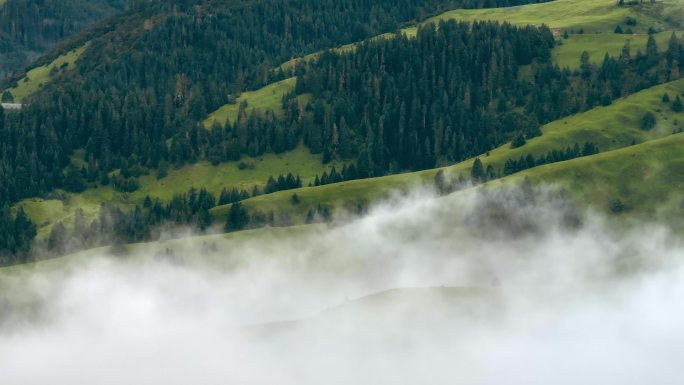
x=597 y=18
x=597 y=45
x=46 y=212
x=290 y=64
x=39 y=76
x=609 y=127
x=647 y=178
x=191 y=250
x=612 y=127
x=269 y=97
x=593 y=16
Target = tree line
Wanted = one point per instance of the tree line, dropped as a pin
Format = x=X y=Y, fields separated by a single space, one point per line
x=30 y=26
x=454 y=91
x=139 y=93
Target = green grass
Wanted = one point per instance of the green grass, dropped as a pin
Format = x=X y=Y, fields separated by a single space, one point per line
x=612 y=127
x=214 y=178
x=269 y=97
x=597 y=18
x=597 y=45
x=189 y=250
x=202 y=174
x=648 y=178
x=39 y=76
x=590 y=15
x=290 y=64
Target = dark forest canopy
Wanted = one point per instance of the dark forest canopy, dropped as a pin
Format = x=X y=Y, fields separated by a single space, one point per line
x=411 y=103
x=138 y=87
x=394 y=105
x=31 y=27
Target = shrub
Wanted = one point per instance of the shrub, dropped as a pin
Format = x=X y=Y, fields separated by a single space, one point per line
x=245 y=166
x=518 y=141
x=295 y=199
x=616 y=206
x=677 y=105
x=648 y=121
x=126 y=185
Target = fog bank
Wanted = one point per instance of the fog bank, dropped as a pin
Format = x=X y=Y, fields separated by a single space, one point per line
x=516 y=288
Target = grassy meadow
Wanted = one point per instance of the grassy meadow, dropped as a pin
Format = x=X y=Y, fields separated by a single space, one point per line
x=256 y=170
x=269 y=97
x=39 y=76
x=599 y=44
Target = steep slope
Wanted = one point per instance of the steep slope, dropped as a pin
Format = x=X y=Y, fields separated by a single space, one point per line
x=612 y=127
x=124 y=138
x=148 y=76
x=30 y=28
x=584 y=25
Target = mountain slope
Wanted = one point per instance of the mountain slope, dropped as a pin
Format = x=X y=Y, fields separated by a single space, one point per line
x=612 y=127
x=30 y=28
x=112 y=143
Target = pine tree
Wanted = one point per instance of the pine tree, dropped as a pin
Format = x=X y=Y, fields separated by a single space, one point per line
x=652 y=50
x=74 y=181
x=648 y=121
x=295 y=199
x=477 y=172
x=677 y=104
x=238 y=217
x=57 y=239
x=440 y=181
x=585 y=65
x=673 y=49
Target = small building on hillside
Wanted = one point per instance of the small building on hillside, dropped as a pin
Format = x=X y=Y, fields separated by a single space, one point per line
x=12 y=106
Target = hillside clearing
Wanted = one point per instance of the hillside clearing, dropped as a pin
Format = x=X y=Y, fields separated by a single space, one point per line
x=39 y=76
x=255 y=171
x=269 y=97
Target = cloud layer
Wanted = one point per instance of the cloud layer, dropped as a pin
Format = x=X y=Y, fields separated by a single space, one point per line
x=480 y=289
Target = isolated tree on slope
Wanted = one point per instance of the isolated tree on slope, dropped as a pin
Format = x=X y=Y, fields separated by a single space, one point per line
x=677 y=104
x=477 y=173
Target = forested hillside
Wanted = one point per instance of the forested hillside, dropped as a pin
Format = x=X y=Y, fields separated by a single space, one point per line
x=149 y=77
x=138 y=87
x=137 y=99
x=29 y=28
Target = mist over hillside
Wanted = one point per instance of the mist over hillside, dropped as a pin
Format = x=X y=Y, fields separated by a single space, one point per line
x=341 y=192
x=412 y=292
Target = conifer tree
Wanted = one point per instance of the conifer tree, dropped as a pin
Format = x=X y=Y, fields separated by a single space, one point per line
x=477 y=172
x=677 y=104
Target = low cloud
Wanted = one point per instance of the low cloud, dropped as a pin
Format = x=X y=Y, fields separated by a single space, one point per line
x=514 y=287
